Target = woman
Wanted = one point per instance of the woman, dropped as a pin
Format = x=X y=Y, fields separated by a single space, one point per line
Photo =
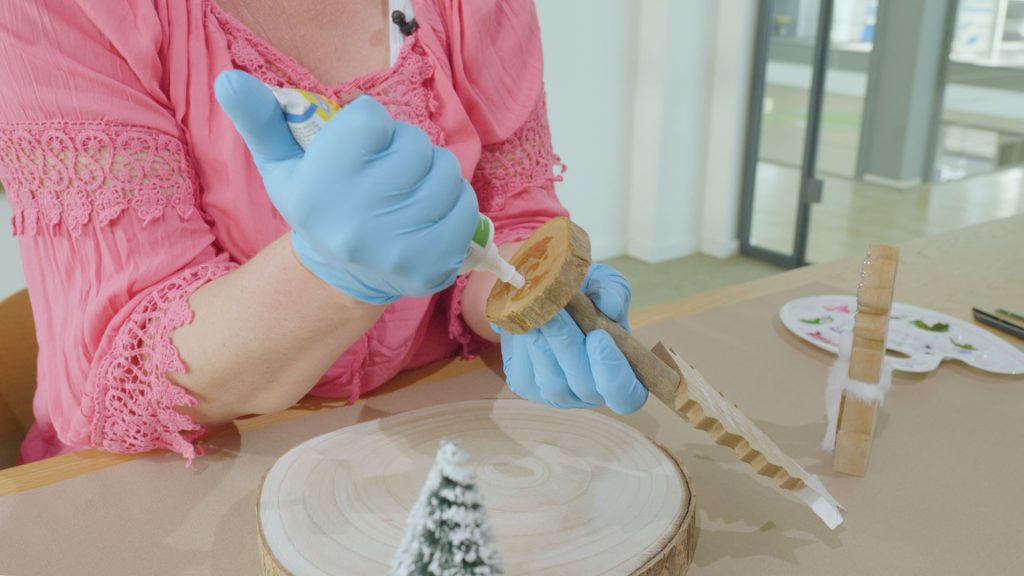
x=188 y=264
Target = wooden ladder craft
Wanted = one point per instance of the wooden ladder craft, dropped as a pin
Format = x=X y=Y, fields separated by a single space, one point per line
x=555 y=260
x=856 y=423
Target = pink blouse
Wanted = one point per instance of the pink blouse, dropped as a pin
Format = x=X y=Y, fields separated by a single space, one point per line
x=131 y=189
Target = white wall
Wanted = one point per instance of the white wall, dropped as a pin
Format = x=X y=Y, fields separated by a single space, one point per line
x=12 y=278
x=648 y=104
x=668 y=131
x=732 y=59
x=589 y=58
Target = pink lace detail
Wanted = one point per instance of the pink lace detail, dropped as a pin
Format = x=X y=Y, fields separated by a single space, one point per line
x=458 y=330
x=63 y=172
x=403 y=88
x=524 y=159
x=250 y=53
x=406 y=92
x=132 y=403
x=518 y=234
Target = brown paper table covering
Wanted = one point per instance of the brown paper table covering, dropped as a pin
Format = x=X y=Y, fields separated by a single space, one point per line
x=943 y=493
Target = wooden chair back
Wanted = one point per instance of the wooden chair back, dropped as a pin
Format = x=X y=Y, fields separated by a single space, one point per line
x=18 y=351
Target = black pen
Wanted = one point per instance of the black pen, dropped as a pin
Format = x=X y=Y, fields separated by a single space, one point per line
x=998 y=323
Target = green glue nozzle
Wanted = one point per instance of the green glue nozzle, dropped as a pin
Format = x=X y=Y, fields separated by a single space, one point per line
x=483 y=255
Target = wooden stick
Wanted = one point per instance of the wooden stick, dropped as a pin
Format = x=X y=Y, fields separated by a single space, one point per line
x=660 y=380
x=679 y=385
x=554 y=261
x=550 y=267
x=856 y=424
x=707 y=409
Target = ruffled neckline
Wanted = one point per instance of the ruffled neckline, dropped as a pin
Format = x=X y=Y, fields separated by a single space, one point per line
x=283 y=70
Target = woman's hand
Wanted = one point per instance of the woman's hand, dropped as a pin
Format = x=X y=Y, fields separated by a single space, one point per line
x=560 y=366
x=376 y=210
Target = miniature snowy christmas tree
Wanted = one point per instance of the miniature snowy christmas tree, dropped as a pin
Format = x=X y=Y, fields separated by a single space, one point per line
x=448 y=533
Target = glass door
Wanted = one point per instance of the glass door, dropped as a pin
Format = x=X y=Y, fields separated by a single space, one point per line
x=878 y=122
x=780 y=180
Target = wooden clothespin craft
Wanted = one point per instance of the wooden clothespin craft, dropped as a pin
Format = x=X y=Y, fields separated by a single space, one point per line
x=554 y=261
x=859 y=380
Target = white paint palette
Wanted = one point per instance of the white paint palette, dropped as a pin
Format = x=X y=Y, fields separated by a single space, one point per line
x=925 y=336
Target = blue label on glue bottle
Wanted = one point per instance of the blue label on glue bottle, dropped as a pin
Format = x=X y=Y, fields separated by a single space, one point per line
x=306 y=113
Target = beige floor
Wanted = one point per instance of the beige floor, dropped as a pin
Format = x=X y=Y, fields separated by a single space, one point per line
x=657 y=283
x=852 y=213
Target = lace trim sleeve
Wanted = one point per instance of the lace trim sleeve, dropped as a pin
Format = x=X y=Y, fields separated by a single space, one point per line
x=524 y=159
x=66 y=173
x=131 y=401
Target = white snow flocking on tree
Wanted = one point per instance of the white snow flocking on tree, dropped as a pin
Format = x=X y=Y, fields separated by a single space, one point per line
x=448 y=533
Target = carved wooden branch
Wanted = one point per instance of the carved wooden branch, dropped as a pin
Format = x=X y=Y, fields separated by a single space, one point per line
x=554 y=261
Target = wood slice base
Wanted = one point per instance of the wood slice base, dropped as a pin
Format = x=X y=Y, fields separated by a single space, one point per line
x=567 y=492
x=554 y=260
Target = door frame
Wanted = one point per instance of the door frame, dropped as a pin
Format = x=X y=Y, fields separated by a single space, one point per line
x=810 y=185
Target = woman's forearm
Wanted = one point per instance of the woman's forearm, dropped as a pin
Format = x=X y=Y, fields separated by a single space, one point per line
x=263 y=335
x=474 y=296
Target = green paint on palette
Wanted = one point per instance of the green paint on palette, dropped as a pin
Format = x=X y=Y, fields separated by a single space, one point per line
x=937 y=327
x=819 y=320
x=962 y=346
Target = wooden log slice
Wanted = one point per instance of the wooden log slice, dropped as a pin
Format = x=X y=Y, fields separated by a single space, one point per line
x=554 y=261
x=567 y=492
x=855 y=427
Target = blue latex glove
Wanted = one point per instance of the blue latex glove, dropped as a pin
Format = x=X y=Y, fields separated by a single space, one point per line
x=559 y=366
x=376 y=210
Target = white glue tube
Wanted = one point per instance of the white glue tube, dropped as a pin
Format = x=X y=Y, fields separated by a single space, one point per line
x=306 y=113
x=483 y=255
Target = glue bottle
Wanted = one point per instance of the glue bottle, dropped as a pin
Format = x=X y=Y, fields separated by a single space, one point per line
x=306 y=113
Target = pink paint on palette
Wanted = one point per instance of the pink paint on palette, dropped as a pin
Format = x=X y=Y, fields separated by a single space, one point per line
x=817 y=335
x=841 y=308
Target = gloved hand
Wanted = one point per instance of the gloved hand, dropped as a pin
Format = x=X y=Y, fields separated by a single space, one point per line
x=559 y=366
x=376 y=210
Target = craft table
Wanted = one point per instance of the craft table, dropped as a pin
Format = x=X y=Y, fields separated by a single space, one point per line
x=941 y=496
